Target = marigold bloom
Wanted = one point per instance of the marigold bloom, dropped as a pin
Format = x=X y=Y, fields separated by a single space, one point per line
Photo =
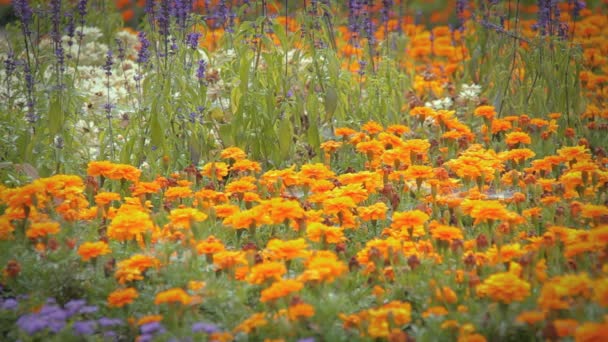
x=240 y=186
x=400 y=313
x=280 y=289
x=100 y=168
x=323 y=266
x=330 y=146
x=129 y=223
x=176 y=192
x=371 y=148
x=42 y=229
x=218 y=170
x=209 y=246
x=447 y=233
x=504 y=287
x=175 y=295
x=344 y=132
x=229 y=259
x=142 y=188
x=375 y=211
x=372 y=127
x=279 y=210
x=515 y=138
x=250 y=324
x=246 y=165
x=565 y=327
x=287 y=249
x=531 y=317
x=300 y=310
x=91 y=250
x=233 y=153
x=338 y=205
x=246 y=219
x=103 y=198
x=122 y=297
x=271 y=270
x=409 y=219
x=593 y=211
x=435 y=311
x=317 y=232
x=315 y=171
x=6 y=228
x=184 y=217
x=487 y=112
x=483 y=211
x=591 y=331
x=149 y=319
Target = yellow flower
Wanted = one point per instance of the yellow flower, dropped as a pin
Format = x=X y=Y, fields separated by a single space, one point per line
x=184 y=217
x=504 y=287
x=175 y=295
x=271 y=270
x=91 y=250
x=280 y=289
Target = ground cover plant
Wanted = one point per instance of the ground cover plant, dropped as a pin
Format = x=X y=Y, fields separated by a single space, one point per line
x=315 y=171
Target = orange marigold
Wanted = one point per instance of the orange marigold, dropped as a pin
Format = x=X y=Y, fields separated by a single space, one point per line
x=175 y=295
x=487 y=112
x=280 y=289
x=515 y=138
x=42 y=229
x=504 y=287
x=122 y=297
x=91 y=250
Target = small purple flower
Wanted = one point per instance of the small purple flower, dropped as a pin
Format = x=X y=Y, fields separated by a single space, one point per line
x=109 y=322
x=192 y=40
x=145 y=338
x=207 y=328
x=151 y=328
x=73 y=306
x=144 y=53
x=202 y=68
x=31 y=323
x=88 y=309
x=84 y=327
x=109 y=62
x=9 y=304
x=307 y=339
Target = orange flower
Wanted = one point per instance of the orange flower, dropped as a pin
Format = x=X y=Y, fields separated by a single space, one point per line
x=142 y=188
x=176 y=192
x=483 y=211
x=100 y=168
x=435 y=311
x=487 y=112
x=233 y=153
x=338 y=205
x=6 y=228
x=129 y=223
x=103 y=198
x=323 y=266
x=300 y=310
x=218 y=170
x=531 y=317
x=246 y=219
x=375 y=211
x=280 y=289
x=184 y=217
x=229 y=259
x=409 y=219
x=317 y=232
x=149 y=319
x=91 y=250
x=209 y=246
x=122 y=297
x=344 y=132
x=250 y=324
x=287 y=250
x=315 y=171
x=42 y=229
x=504 y=287
x=240 y=186
x=272 y=270
x=280 y=210
x=246 y=165
x=447 y=233
x=515 y=138
x=372 y=127
x=591 y=331
x=175 y=295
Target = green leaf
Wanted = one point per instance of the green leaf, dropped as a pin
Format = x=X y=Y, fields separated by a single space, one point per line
x=56 y=116
x=331 y=102
x=285 y=134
